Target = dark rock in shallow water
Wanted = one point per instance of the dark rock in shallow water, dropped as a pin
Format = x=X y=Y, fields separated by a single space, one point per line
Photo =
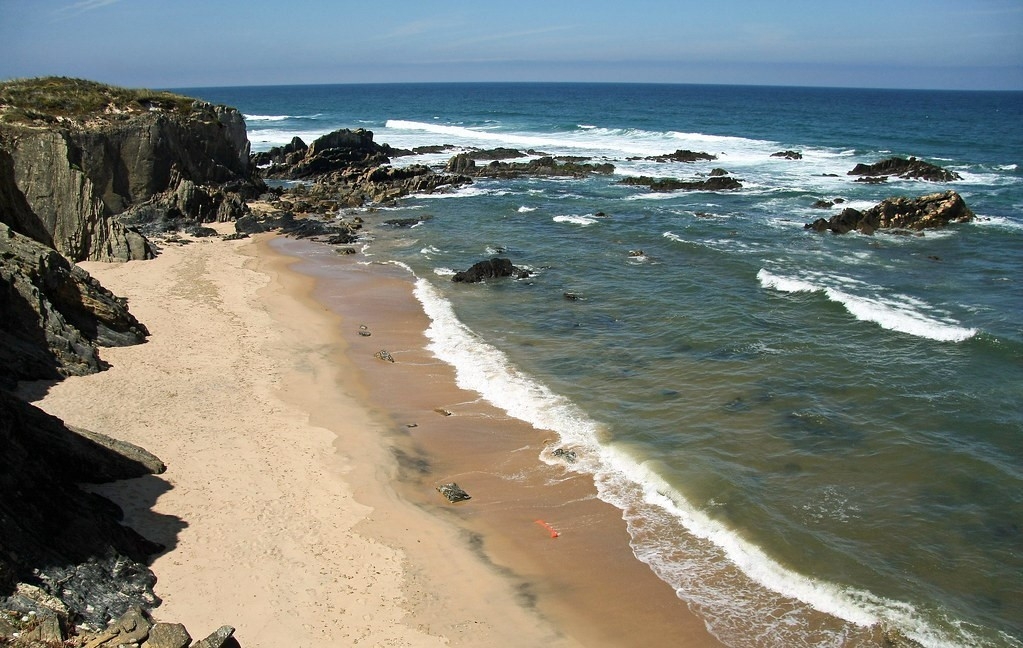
x=288 y=224
x=569 y=456
x=926 y=212
x=407 y=222
x=490 y=269
x=788 y=155
x=903 y=168
x=716 y=183
x=545 y=166
x=680 y=155
x=453 y=492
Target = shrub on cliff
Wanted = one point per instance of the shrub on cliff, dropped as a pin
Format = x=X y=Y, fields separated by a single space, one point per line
x=53 y=99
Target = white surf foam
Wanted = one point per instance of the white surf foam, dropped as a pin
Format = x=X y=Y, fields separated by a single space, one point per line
x=893 y=312
x=582 y=221
x=730 y=579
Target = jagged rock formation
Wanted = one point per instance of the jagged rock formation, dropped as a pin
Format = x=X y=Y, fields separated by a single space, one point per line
x=903 y=168
x=93 y=180
x=714 y=183
x=464 y=164
x=350 y=170
x=54 y=314
x=926 y=212
x=336 y=151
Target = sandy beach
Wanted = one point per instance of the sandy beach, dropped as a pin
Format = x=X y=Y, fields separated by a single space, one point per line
x=300 y=501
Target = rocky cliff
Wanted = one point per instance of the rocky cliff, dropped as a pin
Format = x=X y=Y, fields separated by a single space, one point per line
x=85 y=171
x=89 y=177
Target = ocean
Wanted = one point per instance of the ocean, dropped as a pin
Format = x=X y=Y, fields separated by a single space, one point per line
x=789 y=421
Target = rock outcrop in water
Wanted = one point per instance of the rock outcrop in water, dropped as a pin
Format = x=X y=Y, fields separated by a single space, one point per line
x=348 y=169
x=92 y=168
x=718 y=182
x=912 y=168
x=465 y=164
x=926 y=212
x=489 y=269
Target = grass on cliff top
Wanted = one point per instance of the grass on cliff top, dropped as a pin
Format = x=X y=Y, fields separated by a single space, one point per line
x=54 y=99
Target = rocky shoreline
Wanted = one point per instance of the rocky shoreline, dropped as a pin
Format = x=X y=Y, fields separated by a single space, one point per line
x=116 y=180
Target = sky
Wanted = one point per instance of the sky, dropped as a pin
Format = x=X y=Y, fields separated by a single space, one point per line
x=935 y=44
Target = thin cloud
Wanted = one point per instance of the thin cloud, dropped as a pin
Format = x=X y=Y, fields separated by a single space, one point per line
x=83 y=6
x=495 y=37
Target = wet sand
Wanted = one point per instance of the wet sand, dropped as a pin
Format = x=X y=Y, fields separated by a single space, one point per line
x=300 y=501
x=586 y=580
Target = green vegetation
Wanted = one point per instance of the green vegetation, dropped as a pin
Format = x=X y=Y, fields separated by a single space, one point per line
x=56 y=99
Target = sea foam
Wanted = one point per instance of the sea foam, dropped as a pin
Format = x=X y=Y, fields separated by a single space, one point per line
x=896 y=312
x=728 y=578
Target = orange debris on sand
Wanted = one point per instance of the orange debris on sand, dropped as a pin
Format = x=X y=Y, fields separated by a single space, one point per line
x=554 y=533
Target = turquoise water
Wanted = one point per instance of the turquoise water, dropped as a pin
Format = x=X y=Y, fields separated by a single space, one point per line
x=789 y=421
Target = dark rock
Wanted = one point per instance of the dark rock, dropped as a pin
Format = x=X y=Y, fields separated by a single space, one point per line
x=911 y=168
x=681 y=155
x=788 y=155
x=823 y=204
x=168 y=635
x=286 y=223
x=223 y=637
x=499 y=153
x=407 y=222
x=453 y=492
x=55 y=314
x=569 y=456
x=335 y=151
x=872 y=179
x=720 y=183
x=717 y=172
x=489 y=269
x=926 y=212
x=545 y=166
x=384 y=355
x=57 y=536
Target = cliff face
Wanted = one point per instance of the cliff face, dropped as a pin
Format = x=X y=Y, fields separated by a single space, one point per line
x=54 y=314
x=85 y=171
x=93 y=186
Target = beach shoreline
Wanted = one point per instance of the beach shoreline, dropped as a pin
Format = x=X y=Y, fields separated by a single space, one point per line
x=299 y=503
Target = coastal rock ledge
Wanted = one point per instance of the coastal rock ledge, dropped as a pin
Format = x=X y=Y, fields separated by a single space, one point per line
x=926 y=212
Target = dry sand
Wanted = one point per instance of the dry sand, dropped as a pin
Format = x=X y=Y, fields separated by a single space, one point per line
x=299 y=502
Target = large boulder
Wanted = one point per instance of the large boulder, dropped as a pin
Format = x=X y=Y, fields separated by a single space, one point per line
x=489 y=269
x=926 y=212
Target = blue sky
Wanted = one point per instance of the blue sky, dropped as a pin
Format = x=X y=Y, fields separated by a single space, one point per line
x=957 y=44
